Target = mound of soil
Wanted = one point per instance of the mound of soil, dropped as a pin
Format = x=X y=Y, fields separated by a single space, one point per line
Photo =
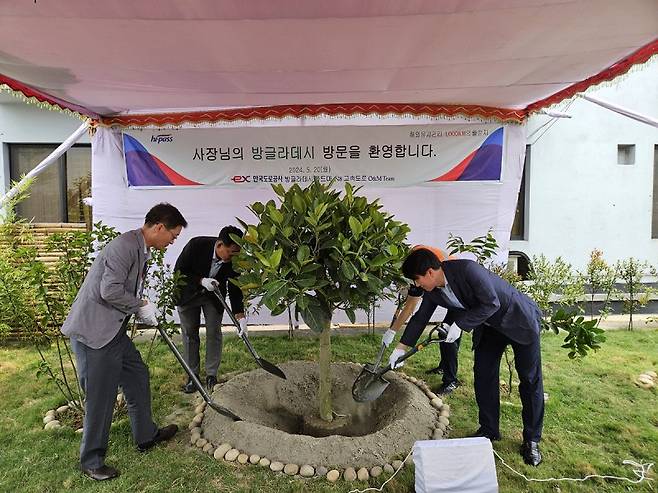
x=280 y=418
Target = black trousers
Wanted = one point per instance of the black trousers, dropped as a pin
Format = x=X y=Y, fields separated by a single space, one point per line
x=527 y=360
x=449 y=360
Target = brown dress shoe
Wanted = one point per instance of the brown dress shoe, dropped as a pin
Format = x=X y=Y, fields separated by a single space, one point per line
x=101 y=473
x=162 y=435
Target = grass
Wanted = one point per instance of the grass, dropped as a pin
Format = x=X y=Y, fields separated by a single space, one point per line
x=595 y=418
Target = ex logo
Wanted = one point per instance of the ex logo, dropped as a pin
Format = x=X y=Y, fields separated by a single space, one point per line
x=241 y=179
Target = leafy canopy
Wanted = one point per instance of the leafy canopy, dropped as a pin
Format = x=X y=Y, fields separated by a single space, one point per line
x=323 y=249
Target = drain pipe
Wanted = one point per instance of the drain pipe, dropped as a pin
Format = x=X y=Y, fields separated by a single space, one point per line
x=50 y=159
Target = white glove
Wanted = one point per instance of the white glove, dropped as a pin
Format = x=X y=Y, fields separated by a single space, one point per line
x=392 y=359
x=146 y=314
x=209 y=283
x=242 y=327
x=453 y=333
x=388 y=337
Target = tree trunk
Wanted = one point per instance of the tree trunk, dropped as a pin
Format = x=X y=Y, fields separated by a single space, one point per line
x=324 y=390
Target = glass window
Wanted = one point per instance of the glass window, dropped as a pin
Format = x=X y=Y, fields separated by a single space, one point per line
x=626 y=154
x=56 y=194
x=519 y=224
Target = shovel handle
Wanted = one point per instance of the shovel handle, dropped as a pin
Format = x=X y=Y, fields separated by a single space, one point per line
x=437 y=334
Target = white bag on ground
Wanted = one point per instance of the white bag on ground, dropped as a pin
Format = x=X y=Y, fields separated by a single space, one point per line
x=460 y=464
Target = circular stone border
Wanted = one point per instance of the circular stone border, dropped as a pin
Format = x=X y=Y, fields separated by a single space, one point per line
x=227 y=453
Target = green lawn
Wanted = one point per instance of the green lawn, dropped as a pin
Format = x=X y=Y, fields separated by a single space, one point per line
x=595 y=418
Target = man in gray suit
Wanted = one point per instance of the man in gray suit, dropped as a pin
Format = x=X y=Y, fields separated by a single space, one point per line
x=105 y=355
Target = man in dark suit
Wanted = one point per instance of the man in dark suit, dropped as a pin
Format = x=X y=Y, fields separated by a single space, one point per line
x=478 y=300
x=206 y=264
x=105 y=355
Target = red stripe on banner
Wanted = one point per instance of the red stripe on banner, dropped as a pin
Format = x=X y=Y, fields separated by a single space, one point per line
x=457 y=171
x=174 y=177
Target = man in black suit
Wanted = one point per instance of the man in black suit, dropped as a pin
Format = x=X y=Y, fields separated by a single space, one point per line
x=478 y=300
x=206 y=264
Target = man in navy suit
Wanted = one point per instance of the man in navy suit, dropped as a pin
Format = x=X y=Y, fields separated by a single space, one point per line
x=478 y=300
x=206 y=264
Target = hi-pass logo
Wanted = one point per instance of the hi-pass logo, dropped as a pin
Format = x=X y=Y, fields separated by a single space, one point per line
x=158 y=139
x=241 y=179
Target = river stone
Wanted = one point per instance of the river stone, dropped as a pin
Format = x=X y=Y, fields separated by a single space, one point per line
x=207 y=447
x=388 y=469
x=321 y=471
x=363 y=474
x=437 y=434
x=192 y=425
x=444 y=420
x=431 y=395
x=291 y=469
x=79 y=430
x=441 y=426
x=413 y=380
x=50 y=412
x=333 y=475
x=220 y=451
x=201 y=442
x=376 y=471
x=436 y=403
x=254 y=458
x=51 y=425
x=48 y=418
x=444 y=412
x=194 y=437
x=62 y=409
x=306 y=471
x=396 y=464
x=445 y=407
x=198 y=418
x=232 y=454
x=264 y=462
x=652 y=373
x=199 y=409
x=243 y=458
x=276 y=466
x=349 y=474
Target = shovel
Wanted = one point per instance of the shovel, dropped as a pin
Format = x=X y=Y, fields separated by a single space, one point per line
x=370 y=383
x=195 y=380
x=264 y=364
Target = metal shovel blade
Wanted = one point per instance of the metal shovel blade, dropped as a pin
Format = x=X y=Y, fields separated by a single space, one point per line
x=369 y=385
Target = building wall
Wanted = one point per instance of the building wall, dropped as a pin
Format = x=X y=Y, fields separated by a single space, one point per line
x=21 y=123
x=580 y=198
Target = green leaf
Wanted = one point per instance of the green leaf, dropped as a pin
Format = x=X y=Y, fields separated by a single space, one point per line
x=279 y=190
x=316 y=316
x=348 y=270
x=303 y=253
x=355 y=226
x=276 y=216
x=350 y=314
x=262 y=259
x=274 y=291
x=275 y=258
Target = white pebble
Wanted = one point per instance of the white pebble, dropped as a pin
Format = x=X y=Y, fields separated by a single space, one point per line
x=363 y=474
x=220 y=451
x=276 y=466
x=437 y=434
x=306 y=471
x=254 y=459
x=445 y=413
x=388 y=469
x=51 y=425
x=231 y=455
x=291 y=469
x=62 y=409
x=349 y=474
x=48 y=418
x=376 y=471
x=321 y=471
x=396 y=464
x=444 y=420
x=51 y=412
x=264 y=462
x=199 y=409
x=201 y=442
x=243 y=458
x=333 y=475
x=436 y=403
x=208 y=447
x=79 y=430
x=194 y=437
x=431 y=395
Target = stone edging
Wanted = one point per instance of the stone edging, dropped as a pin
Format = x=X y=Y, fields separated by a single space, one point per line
x=226 y=452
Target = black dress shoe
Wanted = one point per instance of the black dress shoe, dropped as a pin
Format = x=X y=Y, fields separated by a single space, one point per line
x=494 y=437
x=162 y=435
x=436 y=371
x=531 y=454
x=447 y=388
x=211 y=381
x=101 y=473
x=189 y=387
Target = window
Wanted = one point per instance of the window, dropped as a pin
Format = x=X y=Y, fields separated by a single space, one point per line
x=654 y=212
x=519 y=225
x=56 y=194
x=626 y=154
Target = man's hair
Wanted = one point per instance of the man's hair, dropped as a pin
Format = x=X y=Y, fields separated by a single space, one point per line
x=165 y=214
x=225 y=235
x=417 y=263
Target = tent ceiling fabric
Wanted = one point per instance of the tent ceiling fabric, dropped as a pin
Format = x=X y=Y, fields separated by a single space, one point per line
x=156 y=56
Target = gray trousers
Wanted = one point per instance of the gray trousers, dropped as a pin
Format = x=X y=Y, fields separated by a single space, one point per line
x=190 y=321
x=101 y=371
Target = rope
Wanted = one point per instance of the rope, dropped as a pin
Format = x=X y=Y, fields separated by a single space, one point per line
x=640 y=470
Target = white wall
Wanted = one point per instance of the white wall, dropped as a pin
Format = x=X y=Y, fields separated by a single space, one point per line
x=22 y=123
x=580 y=198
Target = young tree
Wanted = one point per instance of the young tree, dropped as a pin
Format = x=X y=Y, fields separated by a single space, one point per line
x=324 y=251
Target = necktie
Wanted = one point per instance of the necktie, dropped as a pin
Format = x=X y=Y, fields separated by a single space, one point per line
x=214 y=267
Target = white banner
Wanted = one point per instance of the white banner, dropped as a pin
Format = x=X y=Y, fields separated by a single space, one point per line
x=392 y=156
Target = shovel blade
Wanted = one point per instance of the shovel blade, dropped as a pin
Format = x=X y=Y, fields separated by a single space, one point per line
x=369 y=385
x=270 y=368
x=223 y=411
